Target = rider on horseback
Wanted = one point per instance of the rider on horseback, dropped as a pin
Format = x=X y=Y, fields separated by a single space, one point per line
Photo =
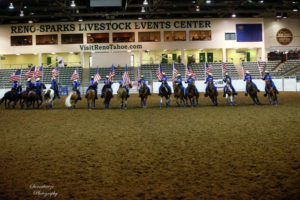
x=125 y=86
x=54 y=86
x=38 y=87
x=268 y=76
x=228 y=78
x=29 y=84
x=75 y=88
x=140 y=83
x=190 y=80
x=249 y=77
x=93 y=85
x=107 y=84
x=178 y=81
x=14 y=88
x=165 y=80
x=210 y=79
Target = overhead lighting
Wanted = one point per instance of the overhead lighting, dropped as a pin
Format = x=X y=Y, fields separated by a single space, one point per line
x=53 y=53
x=140 y=18
x=35 y=53
x=233 y=15
x=30 y=21
x=11 y=6
x=197 y=8
x=145 y=2
x=18 y=54
x=80 y=19
x=21 y=13
x=71 y=52
x=208 y=1
x=278 y=15
x=261 y=1
x=295 y=9
x=284 y=15
x=143 y=10
x=73 y=4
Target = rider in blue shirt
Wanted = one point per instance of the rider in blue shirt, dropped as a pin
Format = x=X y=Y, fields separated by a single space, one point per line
x=178 y=81
x=54 y=86
x=249 y=77
x=125 y=86
x=14 y=88
x=94 y=85
x=165 y=80
x=107 y=84
x=140 y=83
x=189 y=80
x=210 y=78
x=268 y=76
x=29 y=84
x=75 y=85
x=38 y=87
x=227 y=77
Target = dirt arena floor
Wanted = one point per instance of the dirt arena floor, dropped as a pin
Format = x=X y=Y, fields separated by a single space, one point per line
x=242 y=152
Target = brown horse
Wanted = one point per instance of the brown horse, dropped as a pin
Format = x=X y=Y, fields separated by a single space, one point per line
x=271 y=92
x=213 y=95
x=143 y=93
x=178 y=94
x=107 y=93
x=90 y=97
x=191 y=94
x=33 y=96
x=122 y=94
x=252 y=91
x=11 y=96
x=72 y=99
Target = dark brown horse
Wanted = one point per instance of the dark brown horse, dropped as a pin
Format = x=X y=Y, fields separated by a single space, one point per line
x=213 y=95
x=107 y=93
x=90 y=97
x=143 y=93
x=271 y=92
x=191 y=94
x=178 y=94
x=11 y=96
x=164 y=92
x=33 y=96
x=252 y=91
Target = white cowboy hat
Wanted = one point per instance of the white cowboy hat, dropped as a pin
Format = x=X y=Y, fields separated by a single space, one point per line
x=107 y=76
x=178 y=75
x=266 y=72
x=75 y=80
x=210 y=74
x=92 y=76
x=142 y=76
x=163 y=73
x=247 y=72
x=29 y=79
x=226 y=74
x=38 y=79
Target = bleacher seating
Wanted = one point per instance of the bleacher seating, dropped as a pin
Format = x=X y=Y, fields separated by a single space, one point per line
x=149 y=70
x=252 y=67
x=103 y=71
x=270 y=65
x=288 y=66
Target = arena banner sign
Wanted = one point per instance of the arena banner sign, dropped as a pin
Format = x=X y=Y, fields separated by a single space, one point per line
x=95 y=47
x=107 y=26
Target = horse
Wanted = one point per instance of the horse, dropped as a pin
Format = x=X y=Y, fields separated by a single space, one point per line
x=229 y=94
x=49 y=98
x=191 y=95
x=143 y=93
x=252 y=91
x=164 y=92
x=272 y=96
x=107 y=93
x=178 y=94
x=11 y=96
x=90 y=97
x=122 y=94
x=23 y=97
x=213 y=95
x=71 y=99
x=33 y=97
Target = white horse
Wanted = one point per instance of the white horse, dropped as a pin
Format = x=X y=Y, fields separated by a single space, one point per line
x=229 y=94
x=49 y=97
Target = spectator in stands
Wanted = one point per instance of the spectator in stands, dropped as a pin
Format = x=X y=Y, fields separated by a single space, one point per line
x=107 y=84
x=75 y=87
x=93 y=85
x=140 y=83
x=165 y=80
x=249 y=77
x=54 y=86
x=268 y=76
x=178 y=81
x=227 y=77
x=188 y=81
x=14 y=88
x=125 y=86
x=210 y=78
x=38 y=87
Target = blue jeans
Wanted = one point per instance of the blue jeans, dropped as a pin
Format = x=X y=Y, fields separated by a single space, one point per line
x=233 y=90
x=57 y=93
x=79 y=94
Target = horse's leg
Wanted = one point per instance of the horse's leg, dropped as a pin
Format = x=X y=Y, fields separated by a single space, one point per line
x=121 y=105
x=125 y=103
x=161 y=101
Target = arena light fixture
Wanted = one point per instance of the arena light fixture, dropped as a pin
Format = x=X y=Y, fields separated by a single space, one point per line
x=73 y=4
x=140 y=18
x=295 y=9
x=11 y=6
x=261 y=1
x=208 y=1
x=143 y=10
x=284 y=15
x=145 y=2
x=30 y=21
x=80 y=19
x=233 y=15
x=21 y=13
x=197 y=8
x=18 y=54
x=278 y=15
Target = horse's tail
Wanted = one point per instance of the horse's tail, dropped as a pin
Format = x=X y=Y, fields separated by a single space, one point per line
x=68 y=100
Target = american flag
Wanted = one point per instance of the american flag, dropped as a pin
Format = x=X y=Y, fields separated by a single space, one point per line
x=159 y=72
x=138 y=73
x=175 y=72
x=97 y=76
x=111 y=73
x=260 y=67
x=38 y=72
x=29 y=73
x=75 y=75
x=16 y=76
x=224 y=67
x=207 y=68
x=189 y=71
x=243 y=68
x=55 y=72
x=126 y=77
